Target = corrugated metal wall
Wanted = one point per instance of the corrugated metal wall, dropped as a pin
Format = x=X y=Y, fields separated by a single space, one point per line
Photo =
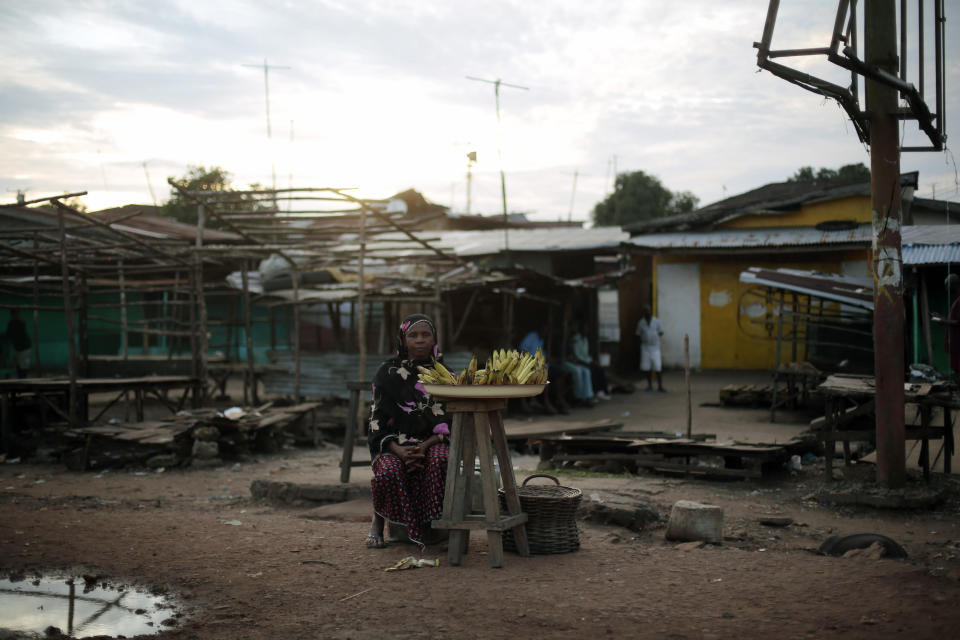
x=323 y=375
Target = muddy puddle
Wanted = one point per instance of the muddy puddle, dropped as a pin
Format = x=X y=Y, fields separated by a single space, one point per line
x=81 y=607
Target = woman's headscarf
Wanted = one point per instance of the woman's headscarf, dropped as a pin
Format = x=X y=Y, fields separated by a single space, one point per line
x=405 y=326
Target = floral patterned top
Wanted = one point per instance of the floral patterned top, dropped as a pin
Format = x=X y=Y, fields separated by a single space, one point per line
x=402 y=410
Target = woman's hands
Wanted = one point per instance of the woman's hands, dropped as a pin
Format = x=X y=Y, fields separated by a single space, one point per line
x=413 y=458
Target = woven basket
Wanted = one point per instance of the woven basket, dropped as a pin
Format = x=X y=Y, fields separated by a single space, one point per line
x=552 y=525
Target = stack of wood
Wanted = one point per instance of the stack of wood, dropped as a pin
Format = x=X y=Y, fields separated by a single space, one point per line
x=198 y=438
x=605 y=446
x=746 y=395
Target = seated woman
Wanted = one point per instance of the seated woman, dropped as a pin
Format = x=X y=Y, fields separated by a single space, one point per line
x=407 y=435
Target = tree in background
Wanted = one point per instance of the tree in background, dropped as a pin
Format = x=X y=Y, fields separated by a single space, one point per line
x=639 y=196
x=847 y=174
x=200 y=178
x=76 y=203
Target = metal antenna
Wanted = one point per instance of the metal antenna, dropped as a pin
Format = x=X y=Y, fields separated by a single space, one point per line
x=503 y=183
x=266 y=92
x=149 y=186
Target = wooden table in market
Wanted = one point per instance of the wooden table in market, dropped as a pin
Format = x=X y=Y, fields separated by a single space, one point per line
x=477 y=423
x=800 y=379
x=847 y=397
x=49 y=389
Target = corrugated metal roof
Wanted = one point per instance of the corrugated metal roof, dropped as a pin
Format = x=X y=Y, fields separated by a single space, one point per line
x=847 y=289
x=931 y=234
x=488 y=242
x=931 y=254
x=747 y=238
x=930 y=244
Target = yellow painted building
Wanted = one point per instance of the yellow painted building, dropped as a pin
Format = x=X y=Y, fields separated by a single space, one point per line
x=696 y=260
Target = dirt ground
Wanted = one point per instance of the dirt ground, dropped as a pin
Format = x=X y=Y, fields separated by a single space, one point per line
x=286 y=573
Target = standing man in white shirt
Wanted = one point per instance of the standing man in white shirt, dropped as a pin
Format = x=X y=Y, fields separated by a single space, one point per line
x=649 y=330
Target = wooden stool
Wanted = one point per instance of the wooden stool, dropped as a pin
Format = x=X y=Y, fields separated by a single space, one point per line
x=475 y=422
x=357 y=388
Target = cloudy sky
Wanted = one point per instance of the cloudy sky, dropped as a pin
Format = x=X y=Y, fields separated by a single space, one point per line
x=114 y=97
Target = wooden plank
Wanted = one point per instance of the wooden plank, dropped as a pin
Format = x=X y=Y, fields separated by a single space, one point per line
x=303 y=407
x=697 y=470
x=517 y=430
x=269 y=421
x=478 y=522
x=143 y=436
x=603 y=457
x=159 y=439
x=465 y=405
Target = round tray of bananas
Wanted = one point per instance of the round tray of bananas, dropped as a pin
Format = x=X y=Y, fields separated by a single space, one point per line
x=507 y=374
x=484 y=390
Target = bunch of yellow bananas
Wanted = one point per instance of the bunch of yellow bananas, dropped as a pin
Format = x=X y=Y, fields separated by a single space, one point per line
x=436 y=374
x=503 y=367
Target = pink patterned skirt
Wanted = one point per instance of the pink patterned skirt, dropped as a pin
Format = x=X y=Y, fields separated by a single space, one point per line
x=411 y=499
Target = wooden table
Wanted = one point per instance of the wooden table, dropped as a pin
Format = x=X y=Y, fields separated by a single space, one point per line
x=476 y=422
x=800 y=378
x=847 y=397
x=48 y=389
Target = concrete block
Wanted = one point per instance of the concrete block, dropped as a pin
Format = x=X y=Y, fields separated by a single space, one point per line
x=695 y=521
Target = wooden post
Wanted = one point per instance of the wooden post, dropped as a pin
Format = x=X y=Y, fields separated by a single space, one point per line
x=794 y=307
x=295 y=278
x=438 y=316
x=776 y=364
x=36 y=307
x=249 y=380
x=68 y=317
x=361 y=295
x=194 y=340
x=925 y=319
x=686 y=382
x=273 y=328
x=176 y=341
x=124 y=347
x=880 y=52
x=83 y=334
x=201 y=353
x=231 y=323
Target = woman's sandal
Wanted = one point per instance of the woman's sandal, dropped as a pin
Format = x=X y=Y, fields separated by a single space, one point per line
x=375 y=541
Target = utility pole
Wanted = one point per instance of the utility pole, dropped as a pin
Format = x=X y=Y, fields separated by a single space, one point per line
x=880 y=44
x=573 y=195
x=503 y=182
x=471 y=158
x=290 y=177
x=266 y=93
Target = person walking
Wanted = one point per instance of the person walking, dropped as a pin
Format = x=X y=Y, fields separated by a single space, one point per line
x=649 y=330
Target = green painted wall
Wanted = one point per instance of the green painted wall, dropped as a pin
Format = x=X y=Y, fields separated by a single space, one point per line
x=105 y=338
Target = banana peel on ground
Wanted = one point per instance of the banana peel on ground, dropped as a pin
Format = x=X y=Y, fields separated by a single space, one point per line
x=413 y=563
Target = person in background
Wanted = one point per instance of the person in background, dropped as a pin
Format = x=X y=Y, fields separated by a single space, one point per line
x=580 y=353
x=951 y=342
x=552 y=399
x=19 y=341
x=649 y=330
x=407 y=434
